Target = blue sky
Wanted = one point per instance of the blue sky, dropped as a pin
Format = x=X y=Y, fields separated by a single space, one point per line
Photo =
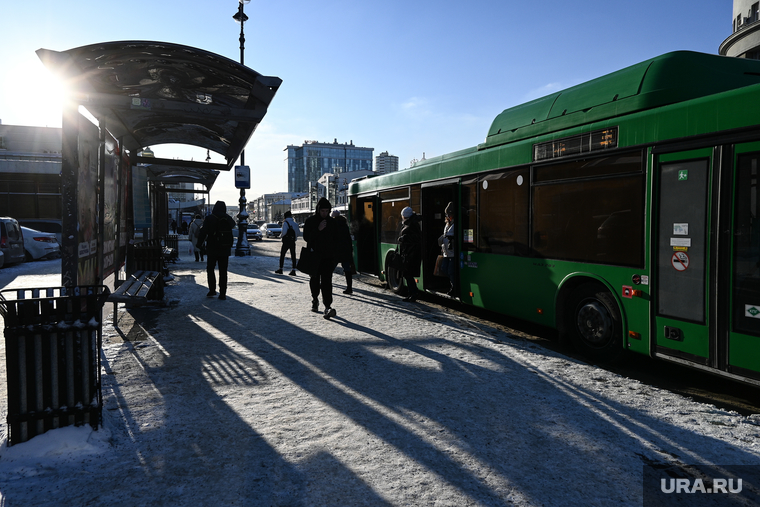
x=407 y=77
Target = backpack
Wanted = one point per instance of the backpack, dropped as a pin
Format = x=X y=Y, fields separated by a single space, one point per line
x=222 y=236
x=290 y=235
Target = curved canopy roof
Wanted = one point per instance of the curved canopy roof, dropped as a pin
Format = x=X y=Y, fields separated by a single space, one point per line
x=152 y=93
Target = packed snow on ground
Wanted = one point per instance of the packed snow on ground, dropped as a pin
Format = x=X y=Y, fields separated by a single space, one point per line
x=258 y=401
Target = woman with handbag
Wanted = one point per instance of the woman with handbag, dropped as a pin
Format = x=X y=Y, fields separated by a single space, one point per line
x=448 y=265
x=410 y=250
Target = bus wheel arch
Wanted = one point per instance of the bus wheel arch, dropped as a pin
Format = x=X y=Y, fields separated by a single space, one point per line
x=592 y=321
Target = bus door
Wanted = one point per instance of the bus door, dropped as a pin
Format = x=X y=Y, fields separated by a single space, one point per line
x=365 y=233
x=742 y=270
x=683 y=326
x=435 y=197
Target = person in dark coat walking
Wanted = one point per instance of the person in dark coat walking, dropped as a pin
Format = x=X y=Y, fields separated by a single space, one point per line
x=216 y=231
x=410 y=249
x=345 y=250
x=321 y=233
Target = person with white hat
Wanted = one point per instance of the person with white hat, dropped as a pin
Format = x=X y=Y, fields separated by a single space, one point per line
x=410 y=249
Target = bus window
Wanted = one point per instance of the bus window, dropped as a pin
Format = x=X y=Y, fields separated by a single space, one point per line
x=391 y=204
x=747 y=246
x=504 y=205
x=390 y=213
x=598 y=219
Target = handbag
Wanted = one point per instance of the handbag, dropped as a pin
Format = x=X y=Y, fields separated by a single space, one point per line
x=437 y=270
x=307 y=261
x=396 y=261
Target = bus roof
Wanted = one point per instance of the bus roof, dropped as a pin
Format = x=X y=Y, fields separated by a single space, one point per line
x=666 y=79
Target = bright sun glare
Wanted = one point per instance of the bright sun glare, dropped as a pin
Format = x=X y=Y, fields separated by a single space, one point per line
x=40 y=97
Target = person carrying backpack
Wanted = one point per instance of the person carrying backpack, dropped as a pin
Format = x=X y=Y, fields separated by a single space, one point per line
x=216 y=231
x=290 y=232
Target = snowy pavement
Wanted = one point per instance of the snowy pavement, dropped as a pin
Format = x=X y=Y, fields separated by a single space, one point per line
x=258 y=401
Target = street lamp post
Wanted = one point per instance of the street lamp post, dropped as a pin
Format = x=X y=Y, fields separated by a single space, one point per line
x=243 y=248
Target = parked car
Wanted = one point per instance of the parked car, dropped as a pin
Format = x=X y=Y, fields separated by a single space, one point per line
x=253 y=232
x=41 y=224
x=11 y=241
x=272 y=230
x=40 y=245
x=2 y=259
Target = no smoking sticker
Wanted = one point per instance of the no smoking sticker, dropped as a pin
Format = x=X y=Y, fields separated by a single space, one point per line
x=680 y=261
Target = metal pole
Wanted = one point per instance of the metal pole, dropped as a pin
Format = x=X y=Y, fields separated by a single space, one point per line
x=242 y=249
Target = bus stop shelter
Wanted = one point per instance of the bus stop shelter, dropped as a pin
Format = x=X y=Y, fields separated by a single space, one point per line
x=137 y=94
x=141 y=94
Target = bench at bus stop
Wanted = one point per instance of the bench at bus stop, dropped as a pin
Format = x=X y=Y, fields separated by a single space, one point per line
x=139 y=288
x=147 y=265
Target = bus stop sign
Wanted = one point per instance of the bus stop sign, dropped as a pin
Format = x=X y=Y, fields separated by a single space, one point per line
x=242 y=176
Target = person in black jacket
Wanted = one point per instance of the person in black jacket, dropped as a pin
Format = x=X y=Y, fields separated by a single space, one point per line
x=321 y=234
x=410 y=249
x=217 y=232
x=345 y=250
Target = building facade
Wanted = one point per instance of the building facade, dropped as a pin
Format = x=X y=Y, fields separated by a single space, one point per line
x=271 y=207
x=308 y=162
x=30 y=172
x=744 y=41
x=385 y=163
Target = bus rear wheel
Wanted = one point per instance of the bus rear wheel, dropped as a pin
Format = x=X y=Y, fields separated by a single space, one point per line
x=594 y=324
x=394 y=279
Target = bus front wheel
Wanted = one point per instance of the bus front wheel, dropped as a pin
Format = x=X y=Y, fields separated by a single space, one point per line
x=594 y=323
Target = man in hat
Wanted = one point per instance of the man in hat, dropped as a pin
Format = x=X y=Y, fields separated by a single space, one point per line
x=320 y=231
x=290 y=232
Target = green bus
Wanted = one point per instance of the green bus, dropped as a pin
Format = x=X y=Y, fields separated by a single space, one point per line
x=622 y=212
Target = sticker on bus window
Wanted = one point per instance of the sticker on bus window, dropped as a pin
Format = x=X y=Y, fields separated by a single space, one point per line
x=680 y=242
x=680 y=229
x=752 y=311
x=469 y=236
